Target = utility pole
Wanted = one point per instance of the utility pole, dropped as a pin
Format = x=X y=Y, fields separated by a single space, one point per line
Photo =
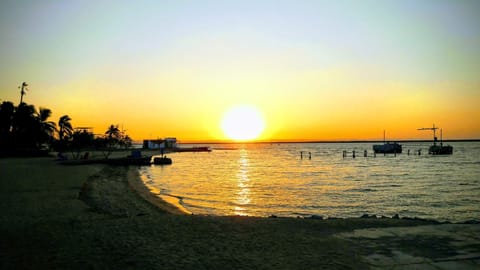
x=23 y=91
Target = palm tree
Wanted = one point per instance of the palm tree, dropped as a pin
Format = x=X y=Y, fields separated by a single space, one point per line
x=6 y=115
x=113 y=133
x=45 y=128
x=127 y=141
x=24 y=126
x=7 y=110
x=65 y=129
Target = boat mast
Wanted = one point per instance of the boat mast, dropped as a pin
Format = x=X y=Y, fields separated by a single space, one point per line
x=441 y=137
x=384 y=136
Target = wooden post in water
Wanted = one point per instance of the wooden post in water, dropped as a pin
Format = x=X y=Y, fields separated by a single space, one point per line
x=353 y=154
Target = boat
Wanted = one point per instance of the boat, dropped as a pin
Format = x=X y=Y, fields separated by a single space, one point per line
x=438 y=149
x=136 y=158
x=387 y=147
x=122 y=161
x=162 y=160
x=193 y=149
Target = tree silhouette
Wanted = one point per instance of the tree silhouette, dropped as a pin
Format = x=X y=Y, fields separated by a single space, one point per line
x=113 y=133
x=127 y=141
x=24 y=125
x=65 y=129
x=45 y=129
x=81 y=139
x=26 y=131
x=7 y=109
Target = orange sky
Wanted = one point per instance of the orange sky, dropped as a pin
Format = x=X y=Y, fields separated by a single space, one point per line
x=315 y=70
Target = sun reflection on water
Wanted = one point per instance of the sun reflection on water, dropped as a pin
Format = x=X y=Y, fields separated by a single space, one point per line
x=243 y=194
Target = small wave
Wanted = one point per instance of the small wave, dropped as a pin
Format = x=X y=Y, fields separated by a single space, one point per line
x=301 y=214
x=171 y=195
x=176 y=201
x=361 y=190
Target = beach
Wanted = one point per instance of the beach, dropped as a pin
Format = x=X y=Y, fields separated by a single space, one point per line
x=103 y=217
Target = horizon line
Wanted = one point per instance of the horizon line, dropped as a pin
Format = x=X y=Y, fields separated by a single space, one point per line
x=315 y=141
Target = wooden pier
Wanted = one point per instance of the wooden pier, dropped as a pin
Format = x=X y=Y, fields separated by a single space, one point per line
x=354 y=153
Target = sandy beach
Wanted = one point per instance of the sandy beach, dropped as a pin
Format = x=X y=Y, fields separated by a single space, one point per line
x=102 y=217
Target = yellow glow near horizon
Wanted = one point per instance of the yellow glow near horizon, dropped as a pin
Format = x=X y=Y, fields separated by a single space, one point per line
x=242 y=123
x=316 y=70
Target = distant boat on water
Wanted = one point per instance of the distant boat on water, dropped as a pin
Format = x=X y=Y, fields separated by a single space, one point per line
x=387 y=147
x=438 y=149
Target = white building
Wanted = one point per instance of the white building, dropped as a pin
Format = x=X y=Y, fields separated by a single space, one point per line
x=167 y=143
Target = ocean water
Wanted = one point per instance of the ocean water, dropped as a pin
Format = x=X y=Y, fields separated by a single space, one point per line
x=272 y=179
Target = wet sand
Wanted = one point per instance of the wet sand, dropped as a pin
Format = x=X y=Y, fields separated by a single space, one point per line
x=101 y=217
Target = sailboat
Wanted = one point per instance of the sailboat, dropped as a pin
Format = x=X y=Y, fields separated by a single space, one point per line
x=387 y=147
x=438 y=149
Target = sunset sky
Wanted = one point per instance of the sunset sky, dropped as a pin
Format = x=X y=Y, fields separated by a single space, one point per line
x=315 y=70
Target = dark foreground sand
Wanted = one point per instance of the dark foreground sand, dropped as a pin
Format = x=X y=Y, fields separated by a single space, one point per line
x=90 y=217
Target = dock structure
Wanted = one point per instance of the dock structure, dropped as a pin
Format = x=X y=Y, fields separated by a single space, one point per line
x=353 y=153
x=309 y=155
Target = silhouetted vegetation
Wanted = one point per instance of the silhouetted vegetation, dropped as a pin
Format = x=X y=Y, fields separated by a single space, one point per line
x=114 y=139
x=24 y=130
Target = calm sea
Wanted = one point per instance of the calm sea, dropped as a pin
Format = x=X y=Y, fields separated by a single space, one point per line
x=272 y=179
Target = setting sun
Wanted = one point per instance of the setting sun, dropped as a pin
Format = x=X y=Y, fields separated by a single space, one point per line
x=243 y=122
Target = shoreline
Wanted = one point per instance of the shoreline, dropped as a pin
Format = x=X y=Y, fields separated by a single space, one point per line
x=138 y=185
x=94 y=217
x=171 y=204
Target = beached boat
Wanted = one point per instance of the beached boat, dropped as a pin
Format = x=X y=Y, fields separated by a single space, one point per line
x=439 y=149
x=140 y=161
x=387 y=147
x=136 y=158
x=123 y=161
x=193 y=149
